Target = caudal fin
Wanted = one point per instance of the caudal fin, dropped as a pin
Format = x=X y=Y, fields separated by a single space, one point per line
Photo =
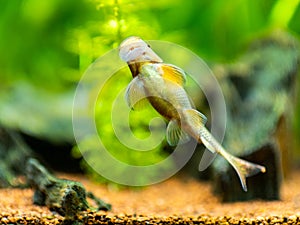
x=244 y=168
x=196 y=121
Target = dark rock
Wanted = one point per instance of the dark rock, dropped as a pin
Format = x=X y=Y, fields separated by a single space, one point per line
x=258 y=89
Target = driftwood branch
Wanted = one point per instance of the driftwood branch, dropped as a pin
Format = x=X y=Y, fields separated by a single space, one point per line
x=66 y=197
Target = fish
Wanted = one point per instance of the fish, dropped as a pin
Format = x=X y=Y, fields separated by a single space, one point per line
x=162 y=85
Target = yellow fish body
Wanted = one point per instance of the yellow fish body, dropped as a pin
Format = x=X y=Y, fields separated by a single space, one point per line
x=162 y=85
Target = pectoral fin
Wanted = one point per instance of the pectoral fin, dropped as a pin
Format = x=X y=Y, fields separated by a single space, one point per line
x=135 y=94
x=175 y=135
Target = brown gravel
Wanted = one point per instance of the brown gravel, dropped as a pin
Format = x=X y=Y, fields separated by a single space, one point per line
x=176 y=201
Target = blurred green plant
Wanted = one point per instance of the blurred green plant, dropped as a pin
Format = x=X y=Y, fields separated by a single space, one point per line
x=47 y=45
x=34 y=39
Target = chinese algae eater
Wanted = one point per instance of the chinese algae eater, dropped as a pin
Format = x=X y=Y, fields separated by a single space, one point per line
x=162 y=85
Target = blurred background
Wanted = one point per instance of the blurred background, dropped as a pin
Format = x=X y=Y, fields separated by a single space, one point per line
x=47 y=45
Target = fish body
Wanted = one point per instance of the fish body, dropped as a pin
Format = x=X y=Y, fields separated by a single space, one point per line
x=162 y=85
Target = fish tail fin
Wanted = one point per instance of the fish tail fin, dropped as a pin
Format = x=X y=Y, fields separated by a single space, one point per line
x=243 y=168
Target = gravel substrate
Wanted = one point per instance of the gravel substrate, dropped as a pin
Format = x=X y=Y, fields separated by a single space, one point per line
x=176 y=201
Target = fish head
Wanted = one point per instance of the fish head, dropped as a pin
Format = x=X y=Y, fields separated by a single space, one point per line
x=135 y=50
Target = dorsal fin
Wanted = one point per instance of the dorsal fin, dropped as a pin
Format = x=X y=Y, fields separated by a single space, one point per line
x=173 y=73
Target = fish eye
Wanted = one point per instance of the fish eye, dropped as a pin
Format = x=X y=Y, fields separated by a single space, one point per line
x=148 y=46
